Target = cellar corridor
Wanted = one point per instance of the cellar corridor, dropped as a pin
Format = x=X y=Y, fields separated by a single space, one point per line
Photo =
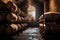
x=29 y=19
x=19 y=19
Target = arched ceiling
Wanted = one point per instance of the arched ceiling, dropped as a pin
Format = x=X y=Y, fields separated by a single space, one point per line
x=23 y=4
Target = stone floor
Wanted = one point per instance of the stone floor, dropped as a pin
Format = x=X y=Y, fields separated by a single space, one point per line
x=30 y=34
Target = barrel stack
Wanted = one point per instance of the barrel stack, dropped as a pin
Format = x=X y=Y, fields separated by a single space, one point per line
x=49 y=22
x=12 y=18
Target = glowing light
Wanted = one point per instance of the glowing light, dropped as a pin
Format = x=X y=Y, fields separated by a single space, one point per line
x=33 y=14
x=31 y=10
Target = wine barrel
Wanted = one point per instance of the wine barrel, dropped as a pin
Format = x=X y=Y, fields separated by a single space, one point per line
x=22 y=18
x=23 y=25
x=12 y=6
x=19 y=26
x=12 y=17
x=19 y=19
x=52 y=24
x=12 y=28
x=18 y=12
x=52 y=21
x=22 y=14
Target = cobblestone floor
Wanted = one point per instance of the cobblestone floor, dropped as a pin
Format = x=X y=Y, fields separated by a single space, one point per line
x=28 y=34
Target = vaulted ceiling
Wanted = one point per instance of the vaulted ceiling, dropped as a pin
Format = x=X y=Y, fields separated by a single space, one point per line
x=23 y=4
